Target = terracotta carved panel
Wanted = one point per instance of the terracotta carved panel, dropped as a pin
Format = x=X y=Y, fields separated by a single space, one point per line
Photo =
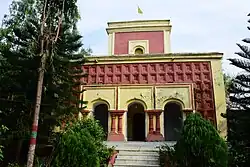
x=198 y=73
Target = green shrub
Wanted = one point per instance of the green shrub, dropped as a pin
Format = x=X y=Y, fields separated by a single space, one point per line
x=13 y=165
x=81 y=145
x=167 y=156
x=199 y=145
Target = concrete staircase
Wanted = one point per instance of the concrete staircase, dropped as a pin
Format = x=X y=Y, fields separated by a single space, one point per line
x=136 y=154
x=134 y=158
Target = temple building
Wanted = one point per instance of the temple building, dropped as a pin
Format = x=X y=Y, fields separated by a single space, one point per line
x=141 y=91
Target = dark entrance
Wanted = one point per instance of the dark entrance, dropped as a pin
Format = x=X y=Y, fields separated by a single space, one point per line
x=101 y=114
x=136 y=122
x=173 y=121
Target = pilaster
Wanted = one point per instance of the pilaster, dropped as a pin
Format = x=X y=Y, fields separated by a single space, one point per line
x=116 y=133
x=154 y=132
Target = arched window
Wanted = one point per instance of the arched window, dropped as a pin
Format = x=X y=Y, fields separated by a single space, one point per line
x=139 y=51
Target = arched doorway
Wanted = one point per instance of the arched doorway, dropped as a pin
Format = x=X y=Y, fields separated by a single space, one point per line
x=136 y=122
x=173 y=121
x=101 y=114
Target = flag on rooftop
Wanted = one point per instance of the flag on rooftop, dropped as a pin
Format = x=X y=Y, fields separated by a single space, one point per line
x=139 y=10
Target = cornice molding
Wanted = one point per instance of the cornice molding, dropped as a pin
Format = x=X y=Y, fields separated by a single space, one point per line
x=139 y=25
x=172 y=57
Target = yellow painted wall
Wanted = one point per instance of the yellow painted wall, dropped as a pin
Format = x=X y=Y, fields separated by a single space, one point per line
x=167 y=44
x=100 y=94
x=219 y=96
x=139 y=94
x=164 y=94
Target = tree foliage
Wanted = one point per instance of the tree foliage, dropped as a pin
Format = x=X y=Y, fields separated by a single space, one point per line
x=82 y=145
x=238 y=137
x=227 y=82
x=199 y=145
x=2 y=130
x=241 y=84
x=238 y=115
x=20 y=58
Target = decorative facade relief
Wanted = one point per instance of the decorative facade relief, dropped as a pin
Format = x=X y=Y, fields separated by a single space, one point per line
x=135 y=93
x=100 y=94
x=182 y=93
x=197 y=73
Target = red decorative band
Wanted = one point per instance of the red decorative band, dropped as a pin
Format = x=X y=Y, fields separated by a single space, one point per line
x=154 y=111
x=33 y=141
x=34 y=127
x=117 y=111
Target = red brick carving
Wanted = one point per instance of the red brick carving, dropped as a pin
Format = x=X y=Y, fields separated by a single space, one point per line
x=198 y=73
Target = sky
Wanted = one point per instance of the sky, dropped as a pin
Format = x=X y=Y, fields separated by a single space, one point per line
x=197 y=25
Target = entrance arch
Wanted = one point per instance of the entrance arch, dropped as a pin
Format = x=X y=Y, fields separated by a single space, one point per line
x=173 y=121
x=136 y=122
x=101 y=113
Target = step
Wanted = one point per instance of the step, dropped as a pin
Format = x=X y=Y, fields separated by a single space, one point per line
x=144 y=152
x=135 y=144
x=137 y=153
x=135 y=156
x=138 y=161
x=138 y=149
x=135 y=165
x=141 y=144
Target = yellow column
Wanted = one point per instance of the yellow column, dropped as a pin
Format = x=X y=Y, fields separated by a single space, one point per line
x=219 y=96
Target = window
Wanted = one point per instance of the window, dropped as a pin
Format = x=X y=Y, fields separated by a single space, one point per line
x=138 y=51
x=138 y=47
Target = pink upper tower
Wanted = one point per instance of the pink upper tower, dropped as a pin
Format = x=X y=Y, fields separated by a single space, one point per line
x=145 y=37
